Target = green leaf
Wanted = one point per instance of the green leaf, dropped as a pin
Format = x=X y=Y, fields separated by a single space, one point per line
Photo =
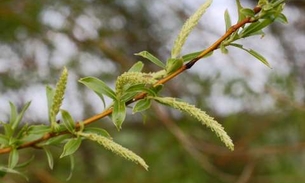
x=152 y=58
x=39 y=129
x=157 y=89
x=187 y=28
x=50 y=96
x=247 y=12
x=7 y=129
x=29 y=138
x=173 y=64
x=259 y=57
x=71 y=146
x=49 y=157
x=98 y=131
x=118 y=114
x=13 y=158
x=72 y=165
x=57 y=140
x=255 y=27
x=140 y=88
x=137 y=67
x=99 y=87
x=128 y=96
x=190 y=56
x=193 y=55
x=4 y=140
x=24 y=130
x=25 y=163
x=253 y=53
x=239 y=8
x=20 y=116
x=13 y=115
x=10 y=170
x=227 y=20
x=223 y=48
x=142 y=105
x=281 y=18
x=68 y=121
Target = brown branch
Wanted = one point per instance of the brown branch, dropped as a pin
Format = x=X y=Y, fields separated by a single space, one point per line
x=186 y=66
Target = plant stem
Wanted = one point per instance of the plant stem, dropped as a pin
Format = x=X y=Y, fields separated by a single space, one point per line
x=108 y=111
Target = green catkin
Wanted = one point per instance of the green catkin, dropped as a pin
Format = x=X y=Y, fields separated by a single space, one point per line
x=199 y=115
x=59 y=94
x=187 y=28
x=115 y=148
x=128 y=79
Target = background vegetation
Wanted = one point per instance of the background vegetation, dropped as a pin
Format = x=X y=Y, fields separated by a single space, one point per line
x=262 y=109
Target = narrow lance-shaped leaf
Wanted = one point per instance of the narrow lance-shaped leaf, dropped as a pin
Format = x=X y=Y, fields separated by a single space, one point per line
x=57 y=140
x=14 y=114
x=4 y=140
x=38 y=129
x=239 y=8
x=227 y=20
x=173 y=64
x=50 y=96
x=25 y=163
x=140 y=88
x=114 y=147
x=137 y=67
x=193 y=55
x=282 y=19
x=72 y=165
x=187 y=28
x=99 y=87
x=7 y=129
x=247 y=12
x=253 y=53
x=259 y=57
x=71 y=146
x=98 y=131
x=49 y=157
x=10 y=170
x=200 y=116
x=68 y=121
x=119 y=113
x=13 y=158
x=255 y=27
x=152 y=58
x=20 y=116
x=142 y=105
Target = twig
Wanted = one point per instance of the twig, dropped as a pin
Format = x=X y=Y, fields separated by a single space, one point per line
x=186 y=66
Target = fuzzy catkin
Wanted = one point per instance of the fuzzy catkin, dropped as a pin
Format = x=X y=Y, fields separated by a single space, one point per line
x=115 y=148
x=132 y=78
x=59 y=93
x=187 y=28
x=199 y=115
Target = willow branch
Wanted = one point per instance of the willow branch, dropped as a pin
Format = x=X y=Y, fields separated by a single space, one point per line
x=186 y=66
